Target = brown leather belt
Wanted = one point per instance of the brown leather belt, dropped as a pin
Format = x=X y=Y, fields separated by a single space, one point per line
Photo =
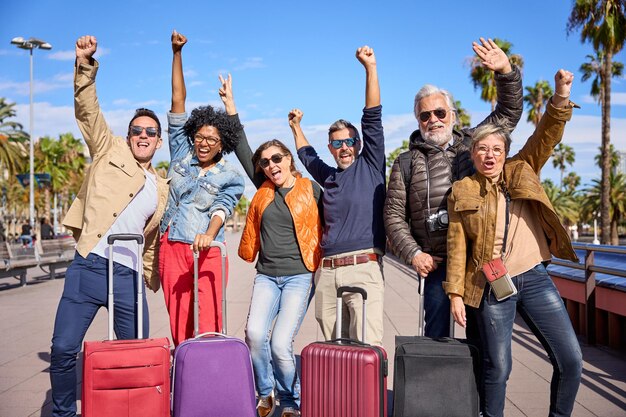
x=349 y=260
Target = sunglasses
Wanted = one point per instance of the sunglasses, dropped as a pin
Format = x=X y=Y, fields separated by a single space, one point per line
x=338 y=143
x=151 y=132
x=277 y=158
x=439 y=114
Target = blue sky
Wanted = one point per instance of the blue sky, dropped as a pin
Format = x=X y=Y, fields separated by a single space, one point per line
x=294 y=54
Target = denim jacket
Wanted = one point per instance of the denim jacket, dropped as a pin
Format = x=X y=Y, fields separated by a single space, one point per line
x=193 y=198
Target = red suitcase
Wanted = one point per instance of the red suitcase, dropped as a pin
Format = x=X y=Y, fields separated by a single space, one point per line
x=126 y=377
x=344 y=377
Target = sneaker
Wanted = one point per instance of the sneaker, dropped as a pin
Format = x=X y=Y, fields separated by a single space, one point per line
x=265 y=406
x=290 y=412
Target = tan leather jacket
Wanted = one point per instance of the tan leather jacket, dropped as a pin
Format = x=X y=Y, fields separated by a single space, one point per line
x=111 y=181
x=472 y=209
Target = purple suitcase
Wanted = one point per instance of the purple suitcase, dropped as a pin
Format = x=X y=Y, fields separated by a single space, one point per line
x=212 y=374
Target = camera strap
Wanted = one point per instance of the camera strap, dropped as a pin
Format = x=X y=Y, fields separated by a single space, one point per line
x=507 y=199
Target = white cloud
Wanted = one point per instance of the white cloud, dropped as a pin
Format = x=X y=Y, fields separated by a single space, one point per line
x=121 y=102
x=250 y=63
x=190 y=73
x=23 y=88
x=67 y=77
x=618 y=99
x=68 y=55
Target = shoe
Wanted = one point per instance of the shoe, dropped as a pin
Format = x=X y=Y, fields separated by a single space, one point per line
x=290 y=412
x=265 y=407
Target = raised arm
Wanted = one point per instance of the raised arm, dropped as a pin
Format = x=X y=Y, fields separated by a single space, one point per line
x=295 y=117
x=179 y=92
x=89 y=117
x=508 y=78
x=366 y=57
x=243 y=151
x=549 y=132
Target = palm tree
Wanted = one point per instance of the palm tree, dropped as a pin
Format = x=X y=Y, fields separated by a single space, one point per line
x=602 y=22
x=617 y=202
x=536 y=100
x=614 y=158
x=565 y=203
x=561 y=156
x=64 y=160
x=485 y=79
x=571 y=181
x=13 y=153
x=463 y=118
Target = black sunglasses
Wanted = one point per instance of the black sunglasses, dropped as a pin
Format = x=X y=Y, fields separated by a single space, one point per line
x=277 y=158
x=337 y=143
x=439 y=114
x=150 y=131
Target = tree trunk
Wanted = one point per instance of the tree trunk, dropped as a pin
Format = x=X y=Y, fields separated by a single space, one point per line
x=614 y=234
x=605 y=219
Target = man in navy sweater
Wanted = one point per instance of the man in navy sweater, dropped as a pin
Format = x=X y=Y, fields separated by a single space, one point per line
x=354 y=195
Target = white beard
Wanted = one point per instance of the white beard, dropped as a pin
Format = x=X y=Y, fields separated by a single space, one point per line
x=439 y=138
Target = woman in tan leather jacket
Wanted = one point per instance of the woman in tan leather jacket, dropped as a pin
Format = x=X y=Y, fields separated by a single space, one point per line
x=502 y=213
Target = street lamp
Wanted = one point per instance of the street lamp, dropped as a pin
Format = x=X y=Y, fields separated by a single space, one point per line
x=31 y=44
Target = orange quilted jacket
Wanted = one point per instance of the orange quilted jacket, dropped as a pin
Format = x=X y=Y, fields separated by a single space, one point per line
x=306 y=220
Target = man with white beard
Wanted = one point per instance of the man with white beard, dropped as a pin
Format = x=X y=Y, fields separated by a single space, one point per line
x=415 y=216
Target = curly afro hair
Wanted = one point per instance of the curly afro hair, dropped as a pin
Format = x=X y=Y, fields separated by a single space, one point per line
x=209 y=116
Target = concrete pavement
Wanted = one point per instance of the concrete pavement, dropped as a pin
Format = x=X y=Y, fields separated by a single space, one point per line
x=27 y=317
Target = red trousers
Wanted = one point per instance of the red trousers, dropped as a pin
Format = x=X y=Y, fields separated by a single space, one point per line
x=176 y=270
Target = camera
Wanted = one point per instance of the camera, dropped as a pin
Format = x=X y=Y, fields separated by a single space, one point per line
x=437 y=221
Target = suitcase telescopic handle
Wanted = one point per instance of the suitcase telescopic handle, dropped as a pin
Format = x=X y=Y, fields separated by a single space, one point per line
x=340 y=292
x=125 y=236
x=139 y=239
x=421 y=324
x=196 y=307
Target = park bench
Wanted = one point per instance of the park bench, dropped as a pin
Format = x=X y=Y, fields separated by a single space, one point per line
x=16 y=260
x=55 y=253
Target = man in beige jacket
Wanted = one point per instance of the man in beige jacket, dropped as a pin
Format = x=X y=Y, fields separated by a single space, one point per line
x=121 y=193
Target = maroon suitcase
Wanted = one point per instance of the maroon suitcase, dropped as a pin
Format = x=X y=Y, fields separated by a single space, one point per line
x=344 y=377
x=126 y=377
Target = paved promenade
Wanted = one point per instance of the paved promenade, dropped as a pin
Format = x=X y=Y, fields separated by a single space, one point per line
x=27 y=316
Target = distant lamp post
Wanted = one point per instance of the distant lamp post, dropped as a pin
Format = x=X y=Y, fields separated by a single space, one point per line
x=31 y=44
x=595 y=229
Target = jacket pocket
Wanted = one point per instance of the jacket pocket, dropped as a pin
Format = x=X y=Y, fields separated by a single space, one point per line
x=471 y=211
x=206 y=194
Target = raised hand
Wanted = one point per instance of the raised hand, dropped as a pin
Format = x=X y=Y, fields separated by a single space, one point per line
x=366 y=56
x=178 y=41
x=563 y=80
x=85 y=48
x=492 y=57
x=295 y=117
x=226 y=94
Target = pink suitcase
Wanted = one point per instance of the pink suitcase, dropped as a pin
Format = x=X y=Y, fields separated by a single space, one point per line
x=126 y=377
x=344 y=377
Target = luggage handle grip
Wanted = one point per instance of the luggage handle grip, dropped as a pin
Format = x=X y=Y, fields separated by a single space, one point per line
x=348 y=341
x=196 y=307
x=358 y=290
x=125 y=236
x=338 y=322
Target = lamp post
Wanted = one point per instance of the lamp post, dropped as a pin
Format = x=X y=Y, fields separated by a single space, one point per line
x=595 y=229
x=31 y=44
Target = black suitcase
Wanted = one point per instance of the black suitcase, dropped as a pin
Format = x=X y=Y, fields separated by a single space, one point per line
x=435 y=377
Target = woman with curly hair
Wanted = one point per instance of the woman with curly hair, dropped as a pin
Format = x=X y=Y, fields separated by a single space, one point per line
x=204 y=190
x=284 y=228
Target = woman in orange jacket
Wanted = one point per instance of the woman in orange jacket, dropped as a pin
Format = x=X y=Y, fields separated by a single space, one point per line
x=284 y=228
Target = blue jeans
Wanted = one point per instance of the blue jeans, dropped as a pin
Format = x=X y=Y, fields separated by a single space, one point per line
x=85 y=291
x=542 y=308
x=285 y=299
x=436 y=304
